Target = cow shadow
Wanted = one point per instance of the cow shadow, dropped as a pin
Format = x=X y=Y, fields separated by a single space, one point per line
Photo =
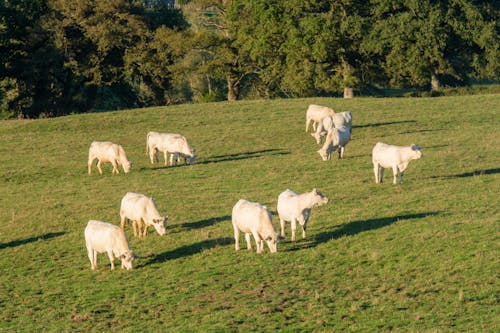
x=244 y=155
x=471 y=174
x=356 y=227
x=204 y=223
x=31 y=239
x=189 y=250
x=385 y=124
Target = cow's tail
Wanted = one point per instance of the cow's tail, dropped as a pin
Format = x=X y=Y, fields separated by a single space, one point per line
x=147 y=143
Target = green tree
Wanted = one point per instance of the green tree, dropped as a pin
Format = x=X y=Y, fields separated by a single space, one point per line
x=423 y=41
x=30 y=66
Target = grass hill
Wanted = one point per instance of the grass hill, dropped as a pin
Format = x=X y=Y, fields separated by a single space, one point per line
x=422 y=256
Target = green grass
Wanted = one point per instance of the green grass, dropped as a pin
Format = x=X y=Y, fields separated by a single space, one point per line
x=422 y=256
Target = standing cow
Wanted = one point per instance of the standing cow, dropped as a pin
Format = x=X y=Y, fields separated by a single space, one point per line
x=316 y=113
x=103 y=237
x=338 y=120
x=175 y=144
x=108 y=152
x=337 y=138
x=294 y=207
x=142 y=211
x=395 y=157
x=252 y=218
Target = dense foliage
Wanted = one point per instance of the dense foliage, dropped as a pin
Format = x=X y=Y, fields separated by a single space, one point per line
x=68 y=56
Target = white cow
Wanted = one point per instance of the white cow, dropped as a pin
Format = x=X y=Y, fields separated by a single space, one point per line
x=316 y=113
x=395 y=157
x=103 y=237
x=252 y=218
x=106 y=152
x=338 y=120
x=175 y=144
x=142 y=211
x=337 y=138
x=294 y=207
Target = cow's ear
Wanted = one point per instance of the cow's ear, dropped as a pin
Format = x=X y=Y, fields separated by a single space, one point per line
x=269 y=238
x=280 y=237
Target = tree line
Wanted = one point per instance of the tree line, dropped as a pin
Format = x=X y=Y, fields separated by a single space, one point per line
x=70 y=56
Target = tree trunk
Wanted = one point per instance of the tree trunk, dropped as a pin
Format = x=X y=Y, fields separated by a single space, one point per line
x=233 y=91
x=435 y=84
x=348 y=92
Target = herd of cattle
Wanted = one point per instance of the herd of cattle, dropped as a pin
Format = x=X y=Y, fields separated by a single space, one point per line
x=251 y=218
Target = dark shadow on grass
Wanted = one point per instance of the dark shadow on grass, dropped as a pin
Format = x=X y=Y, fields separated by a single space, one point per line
x=205 y=223
x=189 y=250
x=422 y=131
x=244 y=155
x=31 y=240
x=384 y=124
x=356 y=227
x=471 y=174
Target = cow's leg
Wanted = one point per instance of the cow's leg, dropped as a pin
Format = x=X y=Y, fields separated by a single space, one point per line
x=165 y=157
x=145 y=229
x=89 y=164
x=394 y=174
x=381 y=174
x=257 y=238
x=90 y=253
x=236 y=237
x=134 y=224
x=341 y=151
x=248 y=240
x=294 y=228
x=376 y=170
x=304 y=227
x=99 y=166
x=401 y=177
x=282 y=223
x=123 y=220
x=111 y=259
x=115 y=167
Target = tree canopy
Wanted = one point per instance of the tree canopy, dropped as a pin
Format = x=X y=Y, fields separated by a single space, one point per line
x=64 y=56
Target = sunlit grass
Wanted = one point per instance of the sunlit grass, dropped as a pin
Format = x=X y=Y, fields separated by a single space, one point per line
x=422 y=256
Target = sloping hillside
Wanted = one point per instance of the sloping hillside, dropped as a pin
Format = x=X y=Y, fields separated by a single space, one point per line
x=418 y=256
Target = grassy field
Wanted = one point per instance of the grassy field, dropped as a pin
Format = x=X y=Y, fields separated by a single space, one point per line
x=422 y=256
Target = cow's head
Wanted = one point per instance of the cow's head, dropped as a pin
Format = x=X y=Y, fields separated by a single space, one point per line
x=127 y=259
x=417 y=151
x=318 y=198
x=325 y=155
x=272 y=242
x=127 y=165
x=160 y=225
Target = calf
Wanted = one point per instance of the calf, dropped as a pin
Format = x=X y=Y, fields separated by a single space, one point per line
x=103 y=237
x=395 y=157
x=294 y=207
x=316 y=113
x=252 y=218
x=142 y=211
x=175 y=144
x=337 y=138
x=106 y=152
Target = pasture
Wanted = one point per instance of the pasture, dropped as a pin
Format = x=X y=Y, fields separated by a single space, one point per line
x=422 y=256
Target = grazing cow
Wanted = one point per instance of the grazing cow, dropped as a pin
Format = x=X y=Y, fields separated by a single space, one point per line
x=316 y=113
x=395 y=157
x=252 y=218
x=103 y=237
x=142 y=211
x=294 y=207
x=175 y=144
x=338 y=120
x=106 y=152
x=336 y=138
